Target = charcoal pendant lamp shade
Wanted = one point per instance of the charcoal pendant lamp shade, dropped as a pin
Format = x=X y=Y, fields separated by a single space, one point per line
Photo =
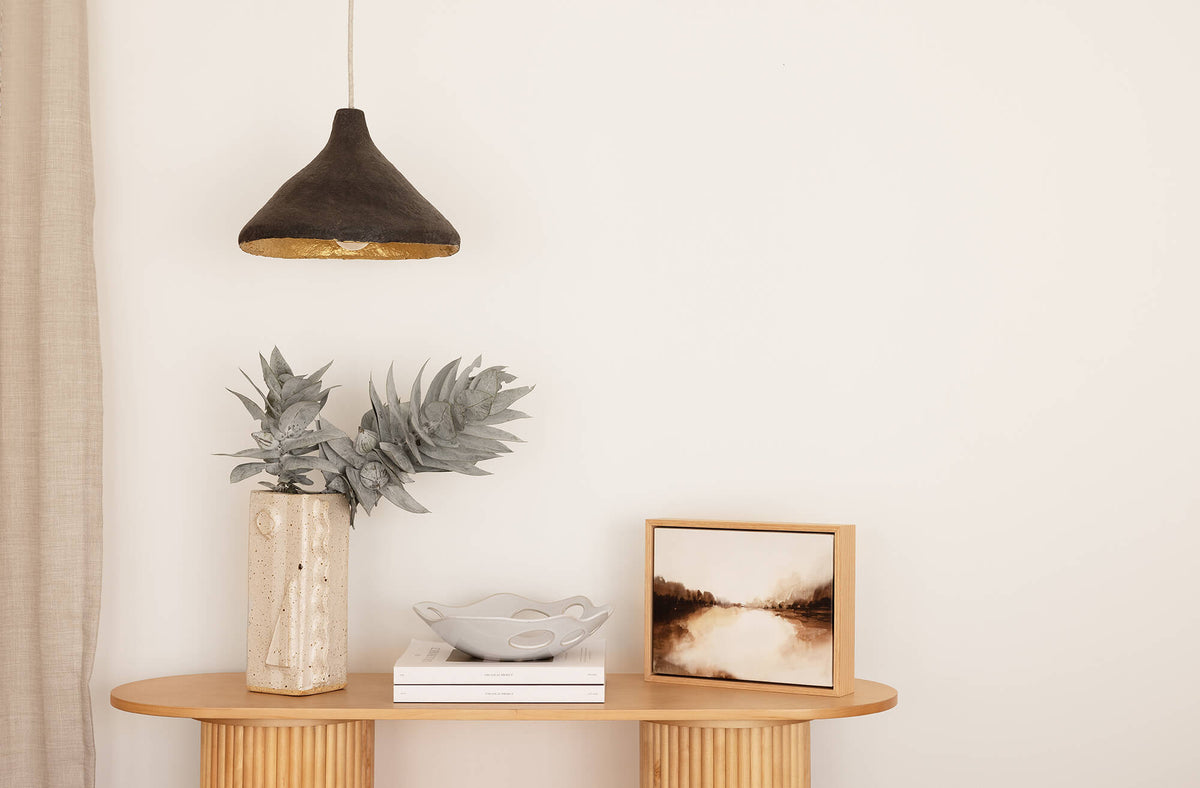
x=349 y=202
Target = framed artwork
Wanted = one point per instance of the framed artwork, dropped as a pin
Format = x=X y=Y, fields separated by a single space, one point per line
x=753 y=605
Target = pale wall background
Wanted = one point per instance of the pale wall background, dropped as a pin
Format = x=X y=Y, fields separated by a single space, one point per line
x=928 y=267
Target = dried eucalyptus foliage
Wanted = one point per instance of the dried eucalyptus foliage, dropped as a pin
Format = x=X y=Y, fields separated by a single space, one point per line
x=451 y=427
x=286 y=447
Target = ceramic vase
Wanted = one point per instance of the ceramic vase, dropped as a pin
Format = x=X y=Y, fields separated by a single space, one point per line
x=297 y=576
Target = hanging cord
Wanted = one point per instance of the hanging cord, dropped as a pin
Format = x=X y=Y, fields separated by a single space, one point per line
x=350 y=53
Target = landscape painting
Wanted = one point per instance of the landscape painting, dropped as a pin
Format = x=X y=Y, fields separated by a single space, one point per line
x=748 y=605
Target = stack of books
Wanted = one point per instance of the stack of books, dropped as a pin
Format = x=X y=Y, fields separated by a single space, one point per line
x=430 y=671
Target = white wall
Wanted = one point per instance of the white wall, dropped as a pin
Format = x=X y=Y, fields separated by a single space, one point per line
x=927 y=267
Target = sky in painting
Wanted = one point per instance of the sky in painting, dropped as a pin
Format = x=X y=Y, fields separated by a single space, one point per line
x=743 y=566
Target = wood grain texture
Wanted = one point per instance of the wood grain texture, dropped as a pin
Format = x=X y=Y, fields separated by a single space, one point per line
x=223 y=696
x=843 y=606
x=236 y=755
x=688 y=755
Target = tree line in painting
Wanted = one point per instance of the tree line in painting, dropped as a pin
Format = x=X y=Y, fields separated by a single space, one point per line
x=673 y=600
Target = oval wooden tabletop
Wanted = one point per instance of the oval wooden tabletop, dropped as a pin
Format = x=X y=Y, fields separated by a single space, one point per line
x=368 y=696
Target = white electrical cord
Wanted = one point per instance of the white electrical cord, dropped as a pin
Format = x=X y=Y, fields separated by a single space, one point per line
x=350 y=53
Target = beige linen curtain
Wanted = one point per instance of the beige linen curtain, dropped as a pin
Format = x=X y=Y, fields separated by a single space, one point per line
x=50 y=417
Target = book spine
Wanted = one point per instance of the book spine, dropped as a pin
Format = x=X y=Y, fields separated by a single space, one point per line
x=498 y=693
x=490 y=675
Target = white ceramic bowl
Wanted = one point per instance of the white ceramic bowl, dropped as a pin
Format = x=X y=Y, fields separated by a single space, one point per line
x=513 y=628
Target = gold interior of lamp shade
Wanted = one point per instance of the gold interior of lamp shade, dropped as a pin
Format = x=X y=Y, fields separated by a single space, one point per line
x=297 y=248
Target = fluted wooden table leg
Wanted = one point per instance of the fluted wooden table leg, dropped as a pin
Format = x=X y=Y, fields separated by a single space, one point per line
x=287 y=754
x=724 y=754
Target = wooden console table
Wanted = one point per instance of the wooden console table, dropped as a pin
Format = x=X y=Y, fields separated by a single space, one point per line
x=691 y=736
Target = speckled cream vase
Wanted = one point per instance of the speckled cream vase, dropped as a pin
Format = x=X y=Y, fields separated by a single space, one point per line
x=298 y=566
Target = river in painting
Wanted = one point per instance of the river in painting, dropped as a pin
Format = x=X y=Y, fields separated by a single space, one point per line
x=750 y=644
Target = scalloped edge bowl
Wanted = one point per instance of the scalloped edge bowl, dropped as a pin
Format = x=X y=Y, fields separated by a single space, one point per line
x=512 y=628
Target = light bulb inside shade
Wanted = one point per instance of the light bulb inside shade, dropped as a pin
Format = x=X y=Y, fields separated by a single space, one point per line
x=352 y=246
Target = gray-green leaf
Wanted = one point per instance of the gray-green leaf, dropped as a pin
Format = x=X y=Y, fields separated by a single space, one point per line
x=258 y=454
x=478 y=405
x=269 y=376
x=316 y=376
x=434 y=392
x=298 y=416
x=252 y=407
x=306 y=440
x=505 y=415
x=309 y=462
x=245 y=471
x=278 y=365
x=300 y=388
x=343 y=447
x=482 y=444
x=484 y=431
x=508 y=397
x=438 y=416
x=396 y=494
x=488 y=380
x=464 y=378
x=382 y=424
x=397 y=455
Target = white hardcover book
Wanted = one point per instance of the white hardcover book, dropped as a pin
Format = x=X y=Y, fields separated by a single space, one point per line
x=435 y=662
x=498 y=693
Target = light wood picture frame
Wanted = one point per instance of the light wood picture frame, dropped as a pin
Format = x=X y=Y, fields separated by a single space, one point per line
x=750 y=605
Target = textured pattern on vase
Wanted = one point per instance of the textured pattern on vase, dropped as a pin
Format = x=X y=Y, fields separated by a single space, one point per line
x=296 y=638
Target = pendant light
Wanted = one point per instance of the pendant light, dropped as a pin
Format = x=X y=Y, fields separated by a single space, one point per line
x=349 y=202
